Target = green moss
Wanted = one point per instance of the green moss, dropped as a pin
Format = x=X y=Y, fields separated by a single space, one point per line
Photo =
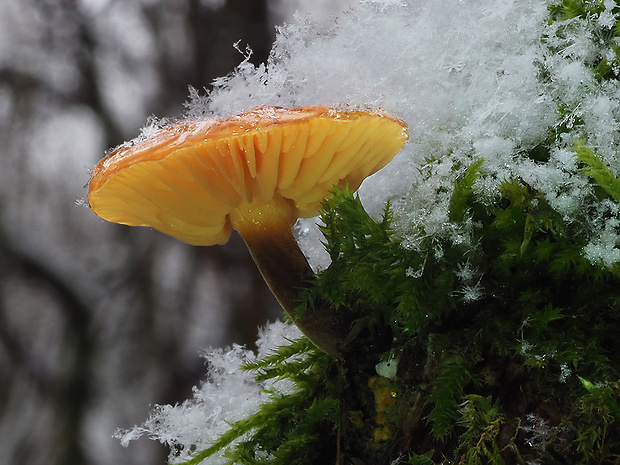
x=469 y=371
x=482 y=421
x=599 y=171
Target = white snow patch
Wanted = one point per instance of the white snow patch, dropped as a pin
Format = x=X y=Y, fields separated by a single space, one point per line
x=229 y=394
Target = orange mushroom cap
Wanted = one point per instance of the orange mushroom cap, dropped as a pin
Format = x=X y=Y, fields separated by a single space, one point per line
x=196 y=180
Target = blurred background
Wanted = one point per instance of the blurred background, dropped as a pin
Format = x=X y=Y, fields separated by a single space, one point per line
x=100 y=321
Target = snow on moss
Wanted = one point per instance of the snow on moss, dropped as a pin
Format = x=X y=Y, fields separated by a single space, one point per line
x=229 y=394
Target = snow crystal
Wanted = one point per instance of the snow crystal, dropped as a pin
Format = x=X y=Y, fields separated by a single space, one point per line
x=607 y=18
x=274 y=335
x=565 y=373
x=471 y=293
x=604 y=249
x=537 y=430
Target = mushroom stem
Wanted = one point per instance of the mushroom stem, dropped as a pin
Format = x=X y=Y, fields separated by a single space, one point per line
x=287 y=272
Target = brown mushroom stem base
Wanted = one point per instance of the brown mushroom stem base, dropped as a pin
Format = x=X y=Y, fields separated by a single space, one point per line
x=266 y=229
x=286 y=271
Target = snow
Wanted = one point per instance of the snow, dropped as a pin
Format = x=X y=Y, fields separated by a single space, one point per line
x=461 y=75
x=322 y=11
x=473 y=79
x=228 y=395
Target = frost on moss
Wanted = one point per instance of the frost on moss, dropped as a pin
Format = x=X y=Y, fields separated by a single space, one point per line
x=482 y=265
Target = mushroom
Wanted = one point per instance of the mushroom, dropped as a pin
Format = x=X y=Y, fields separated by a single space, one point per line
x=257 y=172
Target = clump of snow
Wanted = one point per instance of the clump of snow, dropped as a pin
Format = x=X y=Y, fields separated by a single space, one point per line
x=461 y=75
x=475 y=80
x=228 y=395
x=603 y=246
